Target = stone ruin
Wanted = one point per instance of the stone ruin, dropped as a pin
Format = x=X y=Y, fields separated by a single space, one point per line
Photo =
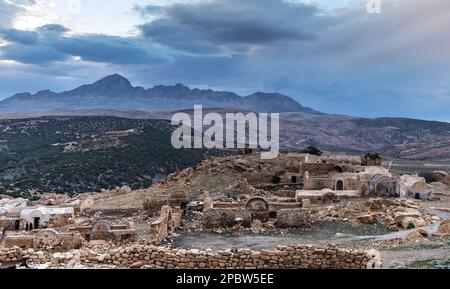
x=47 y=239
x=167 y=222
x=244 y=213
x=103 y=230
x=293 y=218
x=155 y=204
x=247 y=189
x=226 y=217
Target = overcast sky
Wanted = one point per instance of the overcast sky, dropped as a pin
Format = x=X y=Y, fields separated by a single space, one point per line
x=330 y=55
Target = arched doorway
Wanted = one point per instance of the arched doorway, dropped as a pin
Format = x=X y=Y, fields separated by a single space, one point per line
x=339 y=185
x=258 y=208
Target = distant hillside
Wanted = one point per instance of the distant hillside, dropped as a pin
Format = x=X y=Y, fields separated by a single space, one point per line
x=117 y=92
x=83 y=154
x=394 y=137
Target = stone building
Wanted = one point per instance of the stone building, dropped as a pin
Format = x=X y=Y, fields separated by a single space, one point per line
x=44 y=217
x=369 y=181
x=245 y=212
x=412 y=186
x=103 y=230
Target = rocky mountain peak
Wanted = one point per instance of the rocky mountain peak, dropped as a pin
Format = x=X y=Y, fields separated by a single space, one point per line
x=112 y=81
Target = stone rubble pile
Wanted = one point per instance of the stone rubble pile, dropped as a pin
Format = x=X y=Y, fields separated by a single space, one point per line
x=399 y=214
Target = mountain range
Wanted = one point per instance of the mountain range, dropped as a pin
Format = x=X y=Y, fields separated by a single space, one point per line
x=117 y=92
x=300 y=126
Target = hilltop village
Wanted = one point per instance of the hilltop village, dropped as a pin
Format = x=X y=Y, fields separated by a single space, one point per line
x=232 y=196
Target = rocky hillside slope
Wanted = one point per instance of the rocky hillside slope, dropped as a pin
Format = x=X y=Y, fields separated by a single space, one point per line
x=84 y=154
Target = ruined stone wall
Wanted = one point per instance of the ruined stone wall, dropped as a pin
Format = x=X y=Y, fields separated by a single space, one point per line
x=146 y=256
x=47 y=239
x=103 y=230
x=276 y=206
x=7 y=223
x=168 y=221
x=24 y=242
x=225 y=217
x=321 y=169
x=247 y=189
x=318 y=183
x=207 y=201
x=220 y=205
x=154 y=205
x=293 y=218
x=60 y=221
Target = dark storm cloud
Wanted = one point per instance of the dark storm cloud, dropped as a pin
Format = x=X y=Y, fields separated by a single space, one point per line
x=48 y=44
x=234 y=25
x=19 y=36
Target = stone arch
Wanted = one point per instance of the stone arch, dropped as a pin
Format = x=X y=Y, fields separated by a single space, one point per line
x=46 y=233
x=258 y=208
x=100 y=231
x=46 y=238
x=329 y=198
x=257 y=204
x=337 y=169
x=442 y=173
x=383 y=185
x=101 y=226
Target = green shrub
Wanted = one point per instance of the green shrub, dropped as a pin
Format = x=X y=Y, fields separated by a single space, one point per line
x=312 y=150
x=276 y=180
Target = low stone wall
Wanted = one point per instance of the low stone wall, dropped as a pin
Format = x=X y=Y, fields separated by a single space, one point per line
x=284 y=205
x=220 y=205
x=147 y=256
x=8 y=223
x=18 y=241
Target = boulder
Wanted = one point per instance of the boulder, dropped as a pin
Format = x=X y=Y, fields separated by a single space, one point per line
x=367 y=219
x=409 y=222
x=406 y=212
x=417 y=235
x=444 y=228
